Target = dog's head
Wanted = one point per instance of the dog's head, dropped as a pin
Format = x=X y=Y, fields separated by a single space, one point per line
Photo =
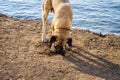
x=58 y=45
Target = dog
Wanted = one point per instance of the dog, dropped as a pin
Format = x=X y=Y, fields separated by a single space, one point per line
x=61 y=24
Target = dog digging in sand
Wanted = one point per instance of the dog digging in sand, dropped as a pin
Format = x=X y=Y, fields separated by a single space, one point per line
x=61 y=24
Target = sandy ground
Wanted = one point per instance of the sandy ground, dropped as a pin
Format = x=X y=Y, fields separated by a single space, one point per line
x=24 y=57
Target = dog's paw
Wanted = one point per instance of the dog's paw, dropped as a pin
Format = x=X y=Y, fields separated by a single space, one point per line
x=67 y=47
x=45 y=40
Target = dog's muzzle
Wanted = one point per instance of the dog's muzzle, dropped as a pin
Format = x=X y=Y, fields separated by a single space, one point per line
x=58 y=49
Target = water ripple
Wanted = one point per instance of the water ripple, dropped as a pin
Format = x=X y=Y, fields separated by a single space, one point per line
x=95 y=15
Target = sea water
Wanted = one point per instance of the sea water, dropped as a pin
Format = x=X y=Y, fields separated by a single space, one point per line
x=101 y=16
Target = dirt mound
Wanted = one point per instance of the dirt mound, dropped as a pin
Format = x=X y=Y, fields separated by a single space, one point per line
x=106 y=42
x=24 y=57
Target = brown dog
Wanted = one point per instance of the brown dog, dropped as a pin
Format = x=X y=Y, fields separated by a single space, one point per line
x=61 y=24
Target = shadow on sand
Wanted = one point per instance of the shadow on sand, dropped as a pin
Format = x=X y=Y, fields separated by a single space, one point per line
x=91 y=64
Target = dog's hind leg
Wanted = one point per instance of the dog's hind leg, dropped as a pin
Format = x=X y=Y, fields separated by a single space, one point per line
x=45 y=13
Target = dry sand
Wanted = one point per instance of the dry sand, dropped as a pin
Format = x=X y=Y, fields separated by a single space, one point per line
x=24 y=57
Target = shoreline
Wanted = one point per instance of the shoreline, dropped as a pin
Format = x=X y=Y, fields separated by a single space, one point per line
x=72 y=27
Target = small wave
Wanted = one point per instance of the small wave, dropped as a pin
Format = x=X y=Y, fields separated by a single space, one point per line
x=28 y=1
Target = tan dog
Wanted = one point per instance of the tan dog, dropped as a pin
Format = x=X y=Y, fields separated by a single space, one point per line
x=61 y=24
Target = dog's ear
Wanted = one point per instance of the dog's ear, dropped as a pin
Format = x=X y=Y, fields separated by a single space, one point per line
x=69 y=41
x=52 y=40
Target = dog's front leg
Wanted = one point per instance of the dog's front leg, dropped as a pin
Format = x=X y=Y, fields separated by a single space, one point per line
x=44 y=21
x=52 y=27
